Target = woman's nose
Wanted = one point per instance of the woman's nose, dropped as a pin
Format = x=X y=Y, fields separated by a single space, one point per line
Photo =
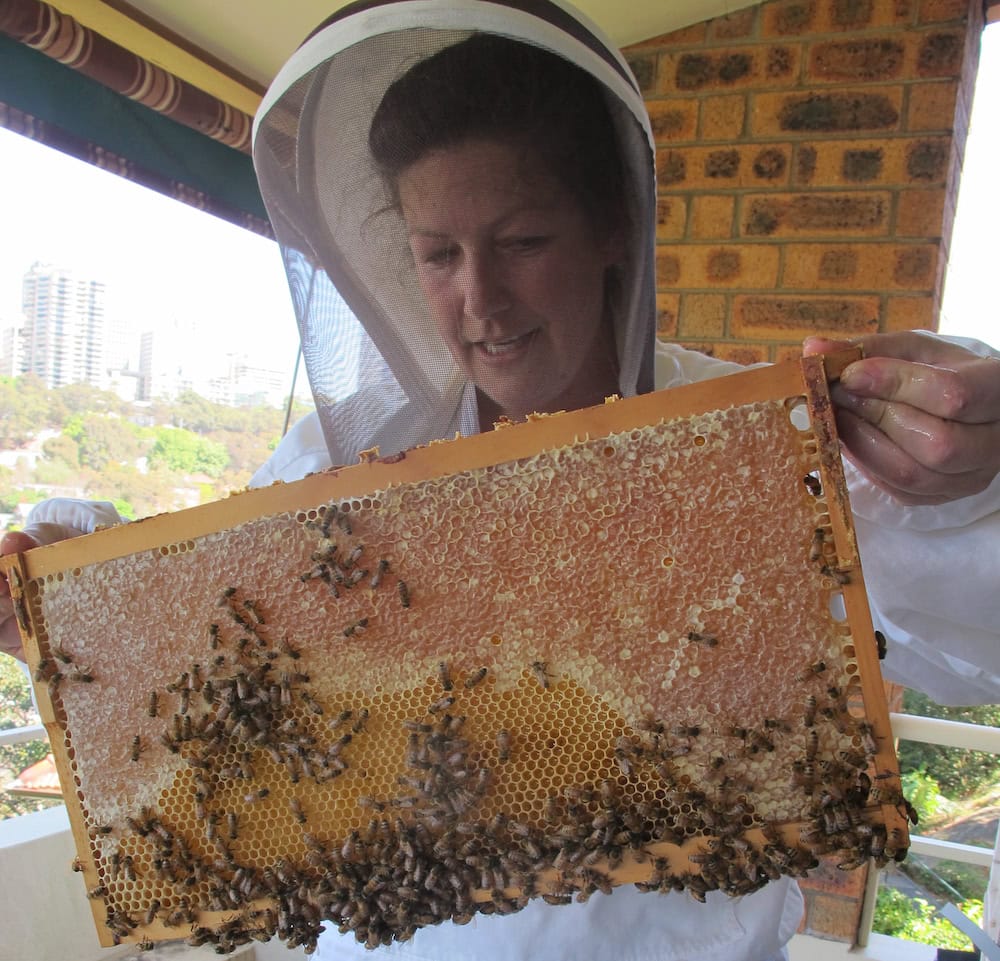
x=484 y=291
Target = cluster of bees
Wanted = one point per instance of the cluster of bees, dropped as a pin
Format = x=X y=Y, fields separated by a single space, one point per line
x=427 y=852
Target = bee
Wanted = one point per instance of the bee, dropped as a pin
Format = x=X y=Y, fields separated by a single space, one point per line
x=185 y=694
x=82 y=675
x=841 y=577
x=145 y=945
x=256 y=795
x=810 y=714
x=357 y=627
x=686 y=730
x=813 y=485
x=213 y=636
x=360 y=721
x=136 y=748
x=100 y=829
x=152 y=704
x=812 y=745
x=43 y=666
x=816 y=546
x=151 y=912
x=383 y=566
x=880 y=644
x=97 y=892
x=442 y=704
x=128 y=868
x=503 y=745
x=706 y=640
x=814 y=669
x=311 y=703
x=76 y=865
x=404 y=593
x=295 y=805
x=252 y=610
x=54 y=681
x=232 y=823
x=867 y=734
x=342 y=718
x=287 y=649
x=473 y=679
x=540 y=670
x=373 y=804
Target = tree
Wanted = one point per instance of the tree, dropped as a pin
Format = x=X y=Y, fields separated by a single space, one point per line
x=63 y=448
x=106 y=439
x=185 y=452
x=24 y=409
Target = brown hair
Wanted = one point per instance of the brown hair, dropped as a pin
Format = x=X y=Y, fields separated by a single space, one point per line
x=494 y=88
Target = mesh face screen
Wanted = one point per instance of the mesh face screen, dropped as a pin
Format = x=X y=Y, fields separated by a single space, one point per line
x=599 y=648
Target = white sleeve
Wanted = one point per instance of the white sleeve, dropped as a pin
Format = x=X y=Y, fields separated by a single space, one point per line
x=301 y=451
x=59 y=518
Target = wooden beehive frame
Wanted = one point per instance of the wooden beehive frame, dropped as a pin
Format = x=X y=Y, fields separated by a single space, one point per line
x=876 y=811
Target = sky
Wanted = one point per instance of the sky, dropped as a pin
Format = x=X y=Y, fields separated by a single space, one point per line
x=192 y=266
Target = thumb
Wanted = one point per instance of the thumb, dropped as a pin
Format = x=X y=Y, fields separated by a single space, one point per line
x=16 y=542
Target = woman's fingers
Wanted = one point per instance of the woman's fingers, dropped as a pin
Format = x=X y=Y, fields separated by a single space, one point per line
x=10 y=636
x=919 y=416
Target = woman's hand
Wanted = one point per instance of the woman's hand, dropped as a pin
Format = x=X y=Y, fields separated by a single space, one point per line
x=10 y=637
x=920 y=417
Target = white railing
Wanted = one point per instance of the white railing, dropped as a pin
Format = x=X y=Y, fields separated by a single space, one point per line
x=18 y=735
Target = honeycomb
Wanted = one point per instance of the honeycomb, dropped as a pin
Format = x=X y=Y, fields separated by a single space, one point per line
x=414 y=693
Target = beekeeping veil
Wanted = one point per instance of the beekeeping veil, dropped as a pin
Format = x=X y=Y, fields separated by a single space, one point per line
x=380 y=374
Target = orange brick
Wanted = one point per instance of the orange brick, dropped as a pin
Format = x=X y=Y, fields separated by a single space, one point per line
x=781 y=353
x=668 y=267
x=840 y=111
x=781 y=317
x=727 y=166
x=673 y=119
x=937 y=11
x=671 y=217
x=920 y=213
x=833 y=918
x=858 y=59
x=859 y=214
x=892 y=161
x=713 y=69
x=707 y=266
x=722 y=118
x=703 y=315
x=712 y=217
x=801 y=17
x=667 y=310
x=686 y=36
x=740 y=353
x=932 y=106
x=911 y=313
x=733 y=25
x=860 y=267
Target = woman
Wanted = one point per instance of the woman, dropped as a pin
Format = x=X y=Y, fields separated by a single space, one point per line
x=476 y=182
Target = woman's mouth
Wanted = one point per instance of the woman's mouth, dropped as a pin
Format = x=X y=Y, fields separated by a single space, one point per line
x=501 y=348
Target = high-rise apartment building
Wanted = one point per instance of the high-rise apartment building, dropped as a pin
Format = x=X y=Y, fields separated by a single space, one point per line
x=65 y=339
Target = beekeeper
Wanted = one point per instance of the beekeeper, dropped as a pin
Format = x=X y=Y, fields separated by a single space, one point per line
x=464 y=196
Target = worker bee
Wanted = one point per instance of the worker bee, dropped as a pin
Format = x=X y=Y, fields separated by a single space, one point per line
x=473 y=679
x=136 y=748
x=383 y=566
x=43 y=667
x=705 y=640
x=813 y=485
x=256 y=795
x=76 y=865
x=404 y=593
x=152 y=704
x=841 y=577
x=360 y=721
x=442 y=704
x=232 y=823
x=816 y=546
x=356 y=627
x=311 y=702
x=809 y=717
x=81 y=675
x=880 y=645
x=540 y=671
x=97 y=892
x=812 y=671
x=298 y=813
x=686 y=730
x=287 y=649
x=503 y=745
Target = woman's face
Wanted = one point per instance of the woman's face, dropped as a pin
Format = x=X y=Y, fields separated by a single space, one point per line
x=513 y=272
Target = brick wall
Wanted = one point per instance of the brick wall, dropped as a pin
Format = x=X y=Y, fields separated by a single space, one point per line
x=808 y=154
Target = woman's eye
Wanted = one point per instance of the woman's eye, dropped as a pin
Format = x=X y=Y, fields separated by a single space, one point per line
x=437 y=257
x=524 y=244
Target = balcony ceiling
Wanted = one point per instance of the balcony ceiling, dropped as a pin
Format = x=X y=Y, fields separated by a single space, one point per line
x=254 y=37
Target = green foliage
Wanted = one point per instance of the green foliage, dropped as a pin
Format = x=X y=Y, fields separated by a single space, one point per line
x=923 y=793
x=959 y=773
x=915 y=920
x=63 y=448
x=185 y=452
x=16 y=710
x=24 y=410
